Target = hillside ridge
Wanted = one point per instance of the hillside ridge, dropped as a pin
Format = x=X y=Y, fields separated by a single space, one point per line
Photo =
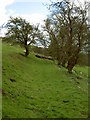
x=38 y=88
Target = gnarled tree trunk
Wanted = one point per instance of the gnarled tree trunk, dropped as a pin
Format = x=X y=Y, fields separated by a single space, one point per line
x=71 y=63
x=26 y=48
x=26 y=51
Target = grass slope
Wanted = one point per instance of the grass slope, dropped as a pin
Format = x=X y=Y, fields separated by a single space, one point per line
x=36 y=88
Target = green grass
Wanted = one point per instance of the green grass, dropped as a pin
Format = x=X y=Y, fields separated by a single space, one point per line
x=41 y=89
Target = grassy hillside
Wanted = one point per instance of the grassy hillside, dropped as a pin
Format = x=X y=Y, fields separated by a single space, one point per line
x=36 y=88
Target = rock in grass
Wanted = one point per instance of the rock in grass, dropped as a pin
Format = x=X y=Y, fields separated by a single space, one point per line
x=12 y=80
x=78 y=82
x=65 y=101
x=44 y=57
x=2 y=92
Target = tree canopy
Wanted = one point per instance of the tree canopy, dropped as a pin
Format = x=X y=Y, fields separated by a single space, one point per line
x=20 y=31
x=67 y=29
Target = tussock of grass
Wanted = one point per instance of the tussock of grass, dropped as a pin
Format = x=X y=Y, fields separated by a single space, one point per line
x=36 y=88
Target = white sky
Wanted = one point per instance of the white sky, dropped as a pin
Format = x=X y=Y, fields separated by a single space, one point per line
x=34 y=16
x=37 y=14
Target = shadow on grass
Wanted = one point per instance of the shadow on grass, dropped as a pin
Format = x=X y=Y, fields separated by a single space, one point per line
x=22 y=54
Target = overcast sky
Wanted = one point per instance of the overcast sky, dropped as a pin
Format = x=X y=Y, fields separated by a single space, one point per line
x=32 y=10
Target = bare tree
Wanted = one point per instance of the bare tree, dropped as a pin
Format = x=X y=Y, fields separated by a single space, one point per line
x=67 y=29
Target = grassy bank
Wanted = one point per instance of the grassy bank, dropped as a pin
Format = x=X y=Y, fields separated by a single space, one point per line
x=36 y=88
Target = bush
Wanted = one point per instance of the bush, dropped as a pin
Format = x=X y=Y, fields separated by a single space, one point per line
x=83 y=59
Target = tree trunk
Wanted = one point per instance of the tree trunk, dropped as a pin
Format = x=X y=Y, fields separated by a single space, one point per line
x=59 y=63
x=58 y=58
x=63 y=63
x=58 y=54
x=26 y=48
x=71 y=63
x=26 y=51
x=70 y=67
